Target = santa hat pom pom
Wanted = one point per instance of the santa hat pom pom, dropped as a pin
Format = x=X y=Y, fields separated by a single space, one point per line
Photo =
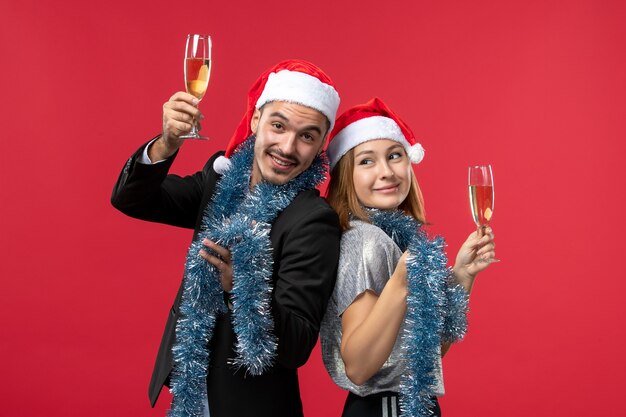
x=416 y=153
x=221 y=164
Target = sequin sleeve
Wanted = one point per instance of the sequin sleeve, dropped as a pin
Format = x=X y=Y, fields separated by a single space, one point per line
x=368 y=258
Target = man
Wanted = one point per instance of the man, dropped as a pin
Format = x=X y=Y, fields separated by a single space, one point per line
x=264 y=254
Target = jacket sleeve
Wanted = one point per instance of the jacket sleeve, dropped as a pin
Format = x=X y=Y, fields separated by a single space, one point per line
x=306 y=278
x=148 y=192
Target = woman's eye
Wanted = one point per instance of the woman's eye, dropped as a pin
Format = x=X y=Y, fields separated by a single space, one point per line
x=365 y=161
x=395 y=155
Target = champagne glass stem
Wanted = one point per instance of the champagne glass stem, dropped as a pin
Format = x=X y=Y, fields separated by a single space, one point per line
x=480 y=229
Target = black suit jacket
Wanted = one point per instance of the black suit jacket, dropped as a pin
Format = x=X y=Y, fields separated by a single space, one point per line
x=305 y=240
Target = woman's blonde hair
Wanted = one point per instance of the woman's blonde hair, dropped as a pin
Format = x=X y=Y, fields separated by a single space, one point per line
x=342 y=194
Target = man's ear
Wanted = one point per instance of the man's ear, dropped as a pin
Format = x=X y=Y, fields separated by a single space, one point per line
x=254 y=123
x=322 y=146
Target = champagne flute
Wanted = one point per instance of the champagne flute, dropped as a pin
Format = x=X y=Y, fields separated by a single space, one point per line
x=197 y=72
x=481 y=195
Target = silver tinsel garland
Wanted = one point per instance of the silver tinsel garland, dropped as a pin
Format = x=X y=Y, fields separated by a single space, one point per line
x=436 y=308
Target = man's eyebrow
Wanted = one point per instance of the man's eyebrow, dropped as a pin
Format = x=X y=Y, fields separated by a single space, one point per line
x=286 y=119
x=315 y=128
x=279 y=115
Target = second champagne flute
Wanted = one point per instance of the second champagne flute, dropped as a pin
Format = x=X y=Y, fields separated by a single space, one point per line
x=481 y=193
x=197 y=72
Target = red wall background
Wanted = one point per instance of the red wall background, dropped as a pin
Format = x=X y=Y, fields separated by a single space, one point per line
x=535 y=88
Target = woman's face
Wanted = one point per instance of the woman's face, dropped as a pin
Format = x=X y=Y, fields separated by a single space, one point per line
x=382 y=174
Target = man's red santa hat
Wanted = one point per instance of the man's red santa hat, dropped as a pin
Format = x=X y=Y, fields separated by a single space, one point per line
x=369 y=121
x=293 y=81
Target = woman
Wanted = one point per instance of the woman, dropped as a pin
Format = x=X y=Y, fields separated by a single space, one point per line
x=396 y=307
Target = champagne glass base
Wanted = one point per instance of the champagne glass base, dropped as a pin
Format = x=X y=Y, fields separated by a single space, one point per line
x=196 y=137
x=487 y=261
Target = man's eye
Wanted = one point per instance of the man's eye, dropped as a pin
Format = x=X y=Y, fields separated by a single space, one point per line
x=308 y=137
x=277 y=125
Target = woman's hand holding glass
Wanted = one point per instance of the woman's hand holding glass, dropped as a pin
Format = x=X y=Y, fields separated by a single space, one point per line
x=475 y=255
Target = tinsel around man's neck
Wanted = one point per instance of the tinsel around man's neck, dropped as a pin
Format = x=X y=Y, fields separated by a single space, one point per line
x=239 y=219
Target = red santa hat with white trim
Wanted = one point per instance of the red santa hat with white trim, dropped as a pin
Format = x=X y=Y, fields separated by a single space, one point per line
x=294 y=81
x=370 y=121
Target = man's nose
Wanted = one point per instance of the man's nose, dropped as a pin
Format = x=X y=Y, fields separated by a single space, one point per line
x=289 y=143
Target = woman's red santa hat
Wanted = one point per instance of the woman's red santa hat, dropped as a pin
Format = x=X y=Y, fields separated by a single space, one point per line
x=370 y=121
x=293 y=81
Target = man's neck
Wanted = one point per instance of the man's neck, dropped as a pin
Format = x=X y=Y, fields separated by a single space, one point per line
x=255 y=176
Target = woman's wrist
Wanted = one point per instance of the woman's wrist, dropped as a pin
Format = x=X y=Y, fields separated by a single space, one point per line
x=463 y=277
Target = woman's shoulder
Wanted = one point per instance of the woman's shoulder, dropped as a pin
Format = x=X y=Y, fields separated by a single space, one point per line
x=361 y=231
x=368 y=258
x=367 y=241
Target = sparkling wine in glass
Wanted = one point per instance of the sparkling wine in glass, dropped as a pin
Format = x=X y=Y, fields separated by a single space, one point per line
x=480 y=180
x=197 y=72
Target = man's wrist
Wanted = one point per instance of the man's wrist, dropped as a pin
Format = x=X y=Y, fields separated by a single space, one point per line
x=160 y=150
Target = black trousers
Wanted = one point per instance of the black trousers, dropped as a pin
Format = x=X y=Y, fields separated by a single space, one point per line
x=384 y=404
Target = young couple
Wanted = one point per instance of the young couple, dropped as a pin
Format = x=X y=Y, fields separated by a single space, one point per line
x=271 y=263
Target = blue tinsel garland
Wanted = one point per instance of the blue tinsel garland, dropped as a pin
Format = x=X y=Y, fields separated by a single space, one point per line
x=240 y=220
x=436 y=308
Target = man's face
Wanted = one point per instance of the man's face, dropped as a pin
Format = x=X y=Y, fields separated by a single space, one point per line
x=288 y=137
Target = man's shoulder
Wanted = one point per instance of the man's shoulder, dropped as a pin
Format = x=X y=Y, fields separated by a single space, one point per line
x=308 y=206
x=310 y=201
x=307 y=226
x=311 y=196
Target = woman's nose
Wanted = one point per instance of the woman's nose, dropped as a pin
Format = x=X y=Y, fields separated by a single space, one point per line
x=385 y=170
